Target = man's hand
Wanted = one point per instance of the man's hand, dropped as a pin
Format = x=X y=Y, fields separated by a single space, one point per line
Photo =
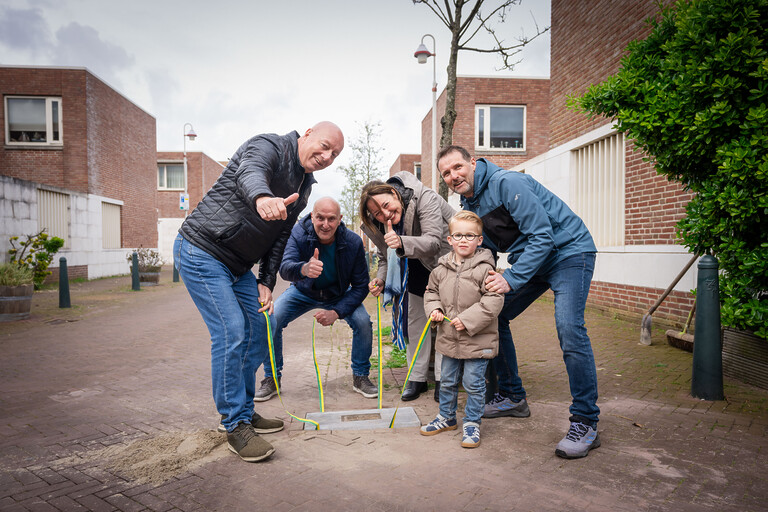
x=376 y=287
x=326 y=317
x=314 y=267
x=436 y=316
x=457 y=324
x=265 y=297
x=391 y=238
x=495 y=283
x=273 y=208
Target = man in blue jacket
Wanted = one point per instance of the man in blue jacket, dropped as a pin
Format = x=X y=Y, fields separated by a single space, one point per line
x=244 y=219
x=326 y=264
x=549 y=247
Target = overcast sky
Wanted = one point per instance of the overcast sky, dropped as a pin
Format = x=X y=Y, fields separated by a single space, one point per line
x=235 y=69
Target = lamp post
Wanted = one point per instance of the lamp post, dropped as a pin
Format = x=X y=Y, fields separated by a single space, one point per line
x=422 y=54
x=192 y=135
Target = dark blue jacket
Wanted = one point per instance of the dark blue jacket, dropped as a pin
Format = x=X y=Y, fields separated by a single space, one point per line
x=351 y=266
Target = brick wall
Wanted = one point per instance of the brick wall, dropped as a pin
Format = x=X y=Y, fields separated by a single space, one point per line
x=121 y=160
x=470 y=91
x=404 y=162
x=635 y=301
x=202 y=173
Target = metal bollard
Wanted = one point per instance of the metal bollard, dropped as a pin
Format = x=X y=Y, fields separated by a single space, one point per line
x=135 y=284
x=707 y=374
x=63 y=284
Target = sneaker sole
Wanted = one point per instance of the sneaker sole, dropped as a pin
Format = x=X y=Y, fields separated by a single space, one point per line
x=433 y=432
x=563 y=455
x=264 y=398
x=470 y=445
x=221 y=428
x=251 y=459
x=508 y=414
x=366 y=395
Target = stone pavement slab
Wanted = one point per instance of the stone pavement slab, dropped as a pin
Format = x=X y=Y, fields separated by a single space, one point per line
x=107 y=406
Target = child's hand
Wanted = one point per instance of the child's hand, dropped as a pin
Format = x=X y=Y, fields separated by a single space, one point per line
x=456 y=323
x=436 y=316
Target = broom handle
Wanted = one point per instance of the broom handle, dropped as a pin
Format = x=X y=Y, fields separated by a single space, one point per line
x=672 y=285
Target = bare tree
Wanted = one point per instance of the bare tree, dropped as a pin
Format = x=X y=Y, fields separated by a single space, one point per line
x=363 y=167
x=464 y=19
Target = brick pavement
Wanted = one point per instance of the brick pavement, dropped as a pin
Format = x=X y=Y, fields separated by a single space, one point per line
x=107 y=407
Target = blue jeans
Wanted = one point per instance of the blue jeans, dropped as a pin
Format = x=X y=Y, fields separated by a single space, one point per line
x=473 y=382
x=291 y=304
x=229 y=306
x=569 y=280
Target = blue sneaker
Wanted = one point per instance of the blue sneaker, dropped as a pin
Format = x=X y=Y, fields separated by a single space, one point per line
x=578 y=441
x=437 y=425
x=471 y=437
x=502 y=406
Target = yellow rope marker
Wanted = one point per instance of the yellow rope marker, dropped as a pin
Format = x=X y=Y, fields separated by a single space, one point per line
x=381 y=362
x=413 y=361
x=274 y=373
x=317 y=370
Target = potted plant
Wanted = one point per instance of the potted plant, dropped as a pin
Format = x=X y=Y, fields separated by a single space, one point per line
x=150 y=263
x=16 y=287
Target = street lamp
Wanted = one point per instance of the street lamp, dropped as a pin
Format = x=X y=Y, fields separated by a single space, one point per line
x=192 y=135
x=422 y=54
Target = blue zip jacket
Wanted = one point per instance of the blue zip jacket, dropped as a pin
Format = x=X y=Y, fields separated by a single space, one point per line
x=524 y=219
x=351 y=265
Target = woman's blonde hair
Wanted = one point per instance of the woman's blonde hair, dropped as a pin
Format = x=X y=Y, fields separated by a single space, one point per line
x=374 y=188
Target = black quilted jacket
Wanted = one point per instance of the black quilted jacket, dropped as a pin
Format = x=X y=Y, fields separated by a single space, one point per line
x=225 y=223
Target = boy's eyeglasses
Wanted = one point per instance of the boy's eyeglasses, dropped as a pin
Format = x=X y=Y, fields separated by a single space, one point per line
x=462 y=236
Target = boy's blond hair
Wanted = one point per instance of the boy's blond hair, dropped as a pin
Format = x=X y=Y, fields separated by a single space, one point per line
x=467 y=216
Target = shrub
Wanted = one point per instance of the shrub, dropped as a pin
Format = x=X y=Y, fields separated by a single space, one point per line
x=13 y=274
x=149 y=260
x=694 y=96
x=36 y=254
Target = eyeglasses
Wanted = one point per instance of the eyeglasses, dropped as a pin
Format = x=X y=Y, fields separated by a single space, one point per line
x=464 y=236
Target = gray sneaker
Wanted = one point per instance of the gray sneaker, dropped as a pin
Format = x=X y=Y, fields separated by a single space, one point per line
x=247 y=444
x=578 y=441
x=267 y=390
x=363 y=385
x=502 y=406
x=260 y=425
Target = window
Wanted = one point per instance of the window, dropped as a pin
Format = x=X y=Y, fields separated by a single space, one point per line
x=500 y=127
x=53 y=214
x=170 y=176
x=110 y=225
x=33 y=120
x=417 y=170
x=598 y=189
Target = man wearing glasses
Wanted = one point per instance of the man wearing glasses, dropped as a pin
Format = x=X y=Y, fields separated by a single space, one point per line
x=549 y=247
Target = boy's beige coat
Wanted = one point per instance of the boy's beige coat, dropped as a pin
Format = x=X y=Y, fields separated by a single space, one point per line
x=458 y=290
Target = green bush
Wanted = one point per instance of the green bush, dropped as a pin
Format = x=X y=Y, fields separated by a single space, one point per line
x=149 y=260
x=13 y=274
x=694 y=96
x=36 y=254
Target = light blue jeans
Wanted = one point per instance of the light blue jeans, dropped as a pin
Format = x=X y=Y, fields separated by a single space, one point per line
x=291 y=304
x=569 y=280
x=229 y=305
x=474 y=385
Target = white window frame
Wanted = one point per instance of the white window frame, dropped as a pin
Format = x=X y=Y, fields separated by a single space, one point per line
x=162 y=186
x=417 y=170
x=486 y=146
x=49 y=102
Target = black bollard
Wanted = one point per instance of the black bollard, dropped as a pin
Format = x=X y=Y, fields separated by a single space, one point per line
x=63 y=284
x=175 y=273
x=707 y=374
x=135 y=284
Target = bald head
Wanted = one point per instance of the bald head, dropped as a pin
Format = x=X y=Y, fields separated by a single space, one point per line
x=320 y=145
x=326 y=216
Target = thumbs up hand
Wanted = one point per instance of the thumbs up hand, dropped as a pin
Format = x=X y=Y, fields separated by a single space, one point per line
x=274 y=208
x=314 y=267
x=391 y=238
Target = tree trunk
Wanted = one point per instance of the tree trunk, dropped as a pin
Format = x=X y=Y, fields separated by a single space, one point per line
x=449 y=117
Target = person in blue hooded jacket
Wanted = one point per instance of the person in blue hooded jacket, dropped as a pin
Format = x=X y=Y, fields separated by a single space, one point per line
x=326 y=265
x=549 y=247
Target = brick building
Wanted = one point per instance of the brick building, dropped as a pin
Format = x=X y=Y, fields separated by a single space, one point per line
x=202 y=173
x=78 y=159
x=407 y=162
x=629 y=208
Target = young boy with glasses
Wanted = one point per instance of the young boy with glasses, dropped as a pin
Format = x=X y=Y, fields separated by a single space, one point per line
x=465 y=313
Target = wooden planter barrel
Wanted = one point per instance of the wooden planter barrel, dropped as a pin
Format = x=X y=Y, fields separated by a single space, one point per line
x=149 y=278
x=745 y=357
x=15 y=302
